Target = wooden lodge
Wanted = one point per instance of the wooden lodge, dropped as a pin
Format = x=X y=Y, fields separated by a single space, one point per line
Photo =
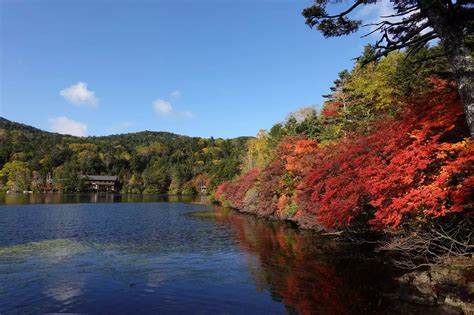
x=101 y=182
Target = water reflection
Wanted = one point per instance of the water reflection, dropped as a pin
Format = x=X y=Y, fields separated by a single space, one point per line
x=309 y=275
x=66 y=289
x=55 y=198
x=171 y=257
x=122 y=258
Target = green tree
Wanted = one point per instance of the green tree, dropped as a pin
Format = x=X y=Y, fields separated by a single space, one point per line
x=156 y=179
x=17 y=175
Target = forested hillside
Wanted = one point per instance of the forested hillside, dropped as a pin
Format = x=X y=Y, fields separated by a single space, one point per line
x=146 y=162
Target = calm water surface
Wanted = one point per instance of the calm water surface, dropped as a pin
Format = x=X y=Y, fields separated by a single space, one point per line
x=176 y=257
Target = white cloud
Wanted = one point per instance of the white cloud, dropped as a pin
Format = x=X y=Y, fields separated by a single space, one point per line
x=373 y=12
x=162 y=107
x=175 y=94
x=376 y=13
x=186 y=113
x=68 y=126
x=79 y=94
x=165 y=108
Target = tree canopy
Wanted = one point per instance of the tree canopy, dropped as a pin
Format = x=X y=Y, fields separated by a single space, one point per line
x=412 y=26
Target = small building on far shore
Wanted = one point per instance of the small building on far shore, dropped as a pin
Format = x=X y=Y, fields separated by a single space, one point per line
x=101 y=182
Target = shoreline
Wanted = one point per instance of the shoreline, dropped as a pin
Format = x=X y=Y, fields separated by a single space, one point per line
x=448 y=286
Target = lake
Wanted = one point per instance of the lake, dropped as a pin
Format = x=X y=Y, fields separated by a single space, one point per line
x=170 y=256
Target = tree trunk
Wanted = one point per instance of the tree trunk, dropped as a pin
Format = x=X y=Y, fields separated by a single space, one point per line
x=449 y=28
x=462 y=63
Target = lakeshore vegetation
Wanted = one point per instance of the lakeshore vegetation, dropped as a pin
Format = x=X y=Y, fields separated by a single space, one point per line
x=389 y=154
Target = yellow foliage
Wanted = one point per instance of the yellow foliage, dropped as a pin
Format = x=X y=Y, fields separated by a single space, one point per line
x=372 y=84
x=151 y=148
x=259 y=152
x=79 y=147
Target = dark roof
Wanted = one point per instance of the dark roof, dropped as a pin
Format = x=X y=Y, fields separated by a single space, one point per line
x=99 y=177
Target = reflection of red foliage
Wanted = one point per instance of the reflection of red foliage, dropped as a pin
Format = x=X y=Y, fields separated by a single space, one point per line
x=293 y=265
x=415 y=165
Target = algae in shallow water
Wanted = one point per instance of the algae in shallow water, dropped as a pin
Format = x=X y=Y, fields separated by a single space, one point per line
x=42 y=246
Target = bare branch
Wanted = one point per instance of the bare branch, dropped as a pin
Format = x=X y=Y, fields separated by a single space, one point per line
x=407 y=11
x=431 y=244
x=344 y=13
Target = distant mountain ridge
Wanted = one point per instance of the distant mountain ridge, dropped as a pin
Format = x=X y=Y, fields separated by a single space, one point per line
x=146 y=161
x=10 y=125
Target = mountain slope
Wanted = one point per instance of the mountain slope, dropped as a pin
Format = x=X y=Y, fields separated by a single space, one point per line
x=147 y=161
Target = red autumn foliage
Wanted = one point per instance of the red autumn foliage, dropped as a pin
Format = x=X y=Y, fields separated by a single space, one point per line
x=411 y=167
x=269 y=187
x=417 y=165
x=199 y=180
x=331 y=109
x=234 y=192
x=221 y=190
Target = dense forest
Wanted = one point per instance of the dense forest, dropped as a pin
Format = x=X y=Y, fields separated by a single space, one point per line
x=145 y=162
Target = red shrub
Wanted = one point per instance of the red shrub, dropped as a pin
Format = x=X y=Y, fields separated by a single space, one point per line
x=234 y=192
x=412 y=167
x=270 y=183
x=417 y=165
x=221 y=190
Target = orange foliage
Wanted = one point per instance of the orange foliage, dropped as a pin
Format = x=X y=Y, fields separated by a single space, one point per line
x=296 y=151
x=282 y=202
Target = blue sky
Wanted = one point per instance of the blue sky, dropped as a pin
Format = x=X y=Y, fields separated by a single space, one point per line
x=222 y=68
